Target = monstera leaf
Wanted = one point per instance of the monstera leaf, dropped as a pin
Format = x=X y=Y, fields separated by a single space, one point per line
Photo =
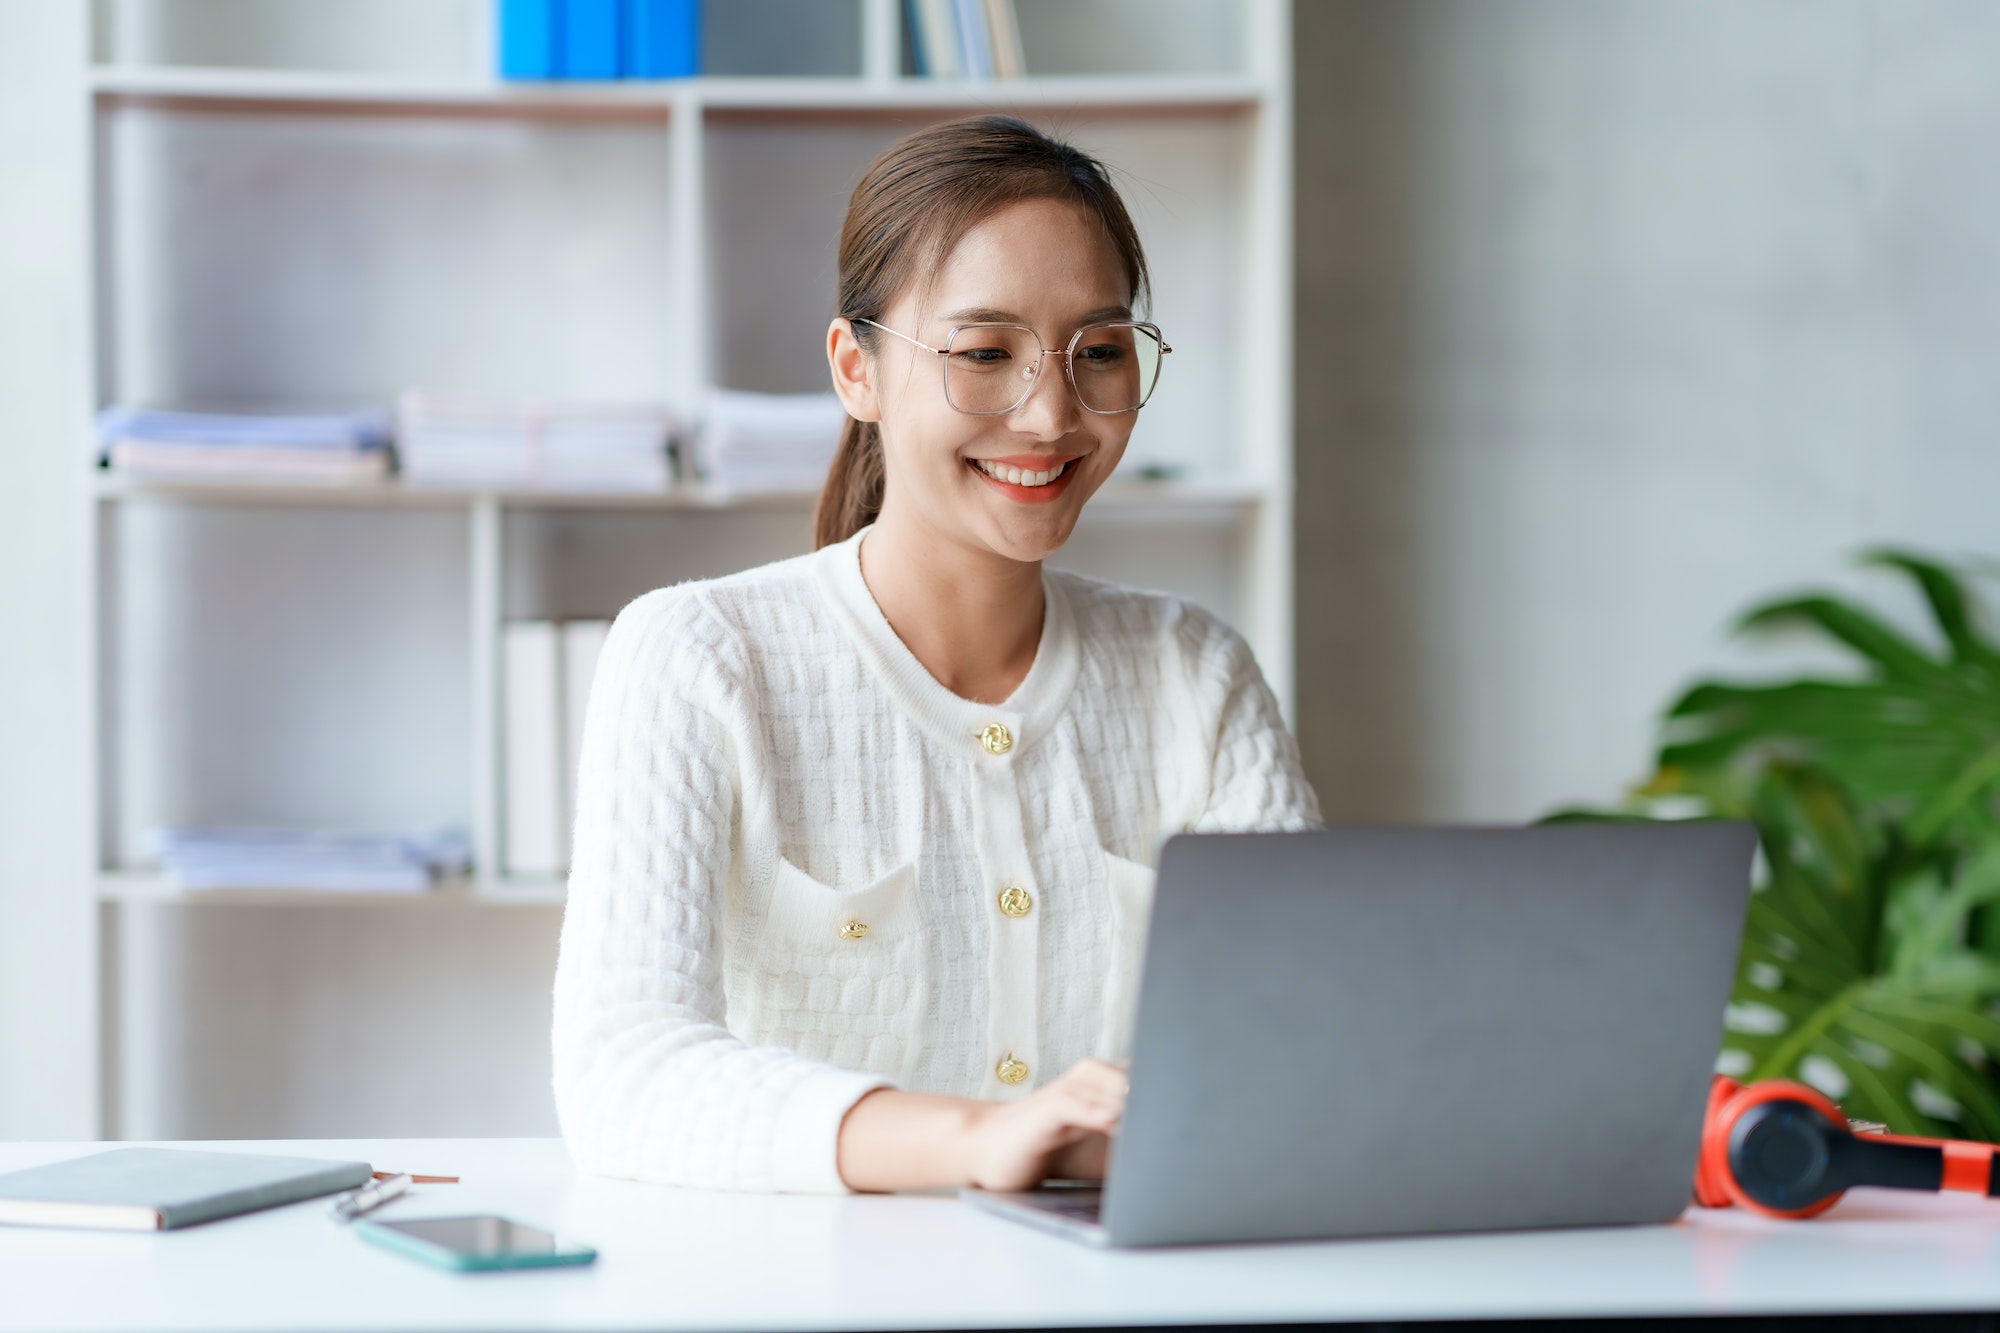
x=1915 y=739
x=1855 y=974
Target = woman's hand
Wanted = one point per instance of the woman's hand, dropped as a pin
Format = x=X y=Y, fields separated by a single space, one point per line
x=894 y=1140
x=1063 y=1128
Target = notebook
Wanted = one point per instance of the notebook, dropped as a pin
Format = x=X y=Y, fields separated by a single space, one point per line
x=154 y=1189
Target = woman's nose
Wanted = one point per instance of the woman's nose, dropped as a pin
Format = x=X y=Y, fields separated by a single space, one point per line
x=1050 y=410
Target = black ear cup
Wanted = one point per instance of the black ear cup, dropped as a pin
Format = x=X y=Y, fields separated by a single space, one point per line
x=1785 y=1155
x=1769 y=1142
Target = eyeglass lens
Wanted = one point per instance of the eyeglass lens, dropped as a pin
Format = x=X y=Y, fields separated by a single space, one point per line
x=989 y=369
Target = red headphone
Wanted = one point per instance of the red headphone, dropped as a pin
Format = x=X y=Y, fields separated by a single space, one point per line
x=1784 y=1150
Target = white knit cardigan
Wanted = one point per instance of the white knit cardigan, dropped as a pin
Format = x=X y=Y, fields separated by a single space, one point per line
x=792 y=845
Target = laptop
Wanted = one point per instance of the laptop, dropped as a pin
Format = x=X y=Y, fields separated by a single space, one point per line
x=1379 y=1031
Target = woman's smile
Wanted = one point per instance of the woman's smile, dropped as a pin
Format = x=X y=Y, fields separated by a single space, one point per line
x=1027 y=478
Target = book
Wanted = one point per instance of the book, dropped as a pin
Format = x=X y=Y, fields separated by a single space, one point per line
x=975 y=49
x=154 y=1189
x=530 y=39
x=532 y=749
x=662 y=39
x=589 y=44
x=1003 y=32
x=934 y=38
x=582 y=645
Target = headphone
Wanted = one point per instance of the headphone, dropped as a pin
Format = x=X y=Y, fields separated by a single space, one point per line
x=1784 y=1150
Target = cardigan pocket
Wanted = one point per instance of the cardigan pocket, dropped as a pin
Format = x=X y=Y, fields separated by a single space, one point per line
x=1129 y=886
x=840 y=975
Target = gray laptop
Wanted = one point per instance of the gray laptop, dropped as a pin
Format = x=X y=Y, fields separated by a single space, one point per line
x=1353 y=1032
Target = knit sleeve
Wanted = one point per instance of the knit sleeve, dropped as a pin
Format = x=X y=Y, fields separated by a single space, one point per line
x=649 y=1082
x=1255 y=778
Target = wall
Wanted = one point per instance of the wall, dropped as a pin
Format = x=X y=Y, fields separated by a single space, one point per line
x=48 y=1011
x=1614 y=318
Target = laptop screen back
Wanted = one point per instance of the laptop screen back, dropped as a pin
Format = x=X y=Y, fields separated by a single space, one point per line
x=1373 y=1031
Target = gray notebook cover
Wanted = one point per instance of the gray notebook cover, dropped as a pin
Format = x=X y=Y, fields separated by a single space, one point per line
x=141 y=1188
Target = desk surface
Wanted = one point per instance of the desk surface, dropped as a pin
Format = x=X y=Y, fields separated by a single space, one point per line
x=675 y=1259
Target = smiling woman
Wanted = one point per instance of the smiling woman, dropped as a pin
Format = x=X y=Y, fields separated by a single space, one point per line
x=861 y=871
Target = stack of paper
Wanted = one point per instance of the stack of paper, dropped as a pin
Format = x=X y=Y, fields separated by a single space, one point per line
x=452 y=440
x=254 y=858
x=769 y=441
x=206 y=446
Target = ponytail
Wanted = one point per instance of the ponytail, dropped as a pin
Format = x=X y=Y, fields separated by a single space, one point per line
x=852 y=496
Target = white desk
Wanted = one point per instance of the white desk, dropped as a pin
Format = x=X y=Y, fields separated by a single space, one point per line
x=674 y=1259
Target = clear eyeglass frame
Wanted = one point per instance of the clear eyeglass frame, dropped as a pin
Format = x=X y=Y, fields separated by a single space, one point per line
x=1029 y=382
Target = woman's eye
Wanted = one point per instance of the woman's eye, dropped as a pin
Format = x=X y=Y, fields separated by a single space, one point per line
x=982 y=357
x=1100 y=354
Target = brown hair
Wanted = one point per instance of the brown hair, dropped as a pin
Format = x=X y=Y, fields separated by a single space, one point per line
x=913 y=205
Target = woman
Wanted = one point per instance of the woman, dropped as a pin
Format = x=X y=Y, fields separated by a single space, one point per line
x=860 y=883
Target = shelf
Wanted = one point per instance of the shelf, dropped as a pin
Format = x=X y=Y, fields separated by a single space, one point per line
x=260 y=89
x=141 y=888
x=1161 y=499
x=1119 y=92
x=257 y=89
x=267 y=234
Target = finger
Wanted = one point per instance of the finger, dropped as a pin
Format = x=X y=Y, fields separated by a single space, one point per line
x=1109 y=1086
x=1075 y=1109
x=1101 y=1075
x=1095 y=1112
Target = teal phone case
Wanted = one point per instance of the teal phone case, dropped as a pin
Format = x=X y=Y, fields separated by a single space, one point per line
x=460 y=1262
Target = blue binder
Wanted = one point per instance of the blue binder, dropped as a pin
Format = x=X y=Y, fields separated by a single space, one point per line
x=662 y=38
x=530 y=39
x=589 y=39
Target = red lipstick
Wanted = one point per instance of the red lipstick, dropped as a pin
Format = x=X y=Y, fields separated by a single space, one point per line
x=1029 y=495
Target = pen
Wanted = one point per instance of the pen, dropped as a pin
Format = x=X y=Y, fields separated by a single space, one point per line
x=369 y=1197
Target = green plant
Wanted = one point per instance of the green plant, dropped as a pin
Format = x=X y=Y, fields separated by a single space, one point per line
x=1871 y=955
x=1915 y=738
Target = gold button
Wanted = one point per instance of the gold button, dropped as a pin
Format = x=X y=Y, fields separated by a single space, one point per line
x=1010 y=1071
x=1014 y=901
x=996 y=738
x=853 y=930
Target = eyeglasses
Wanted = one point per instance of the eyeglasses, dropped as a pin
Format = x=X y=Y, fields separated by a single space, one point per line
x=990 y=369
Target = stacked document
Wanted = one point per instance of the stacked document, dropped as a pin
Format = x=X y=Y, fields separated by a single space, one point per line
x=343 y=449
x=250 y=858
x=769 y=441
x=510 y=444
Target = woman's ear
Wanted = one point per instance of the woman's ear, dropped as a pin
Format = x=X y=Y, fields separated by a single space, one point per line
x=853 y=373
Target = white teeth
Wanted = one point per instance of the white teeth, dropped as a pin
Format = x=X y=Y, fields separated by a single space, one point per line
x=1014 y=476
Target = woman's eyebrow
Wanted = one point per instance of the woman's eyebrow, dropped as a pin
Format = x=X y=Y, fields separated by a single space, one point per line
x=981 y=315
x=988 y=315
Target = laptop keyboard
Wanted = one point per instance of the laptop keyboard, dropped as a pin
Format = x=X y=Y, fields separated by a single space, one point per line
x=1079 y=1205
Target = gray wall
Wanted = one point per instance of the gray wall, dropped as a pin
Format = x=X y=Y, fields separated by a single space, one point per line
x=1615 y=316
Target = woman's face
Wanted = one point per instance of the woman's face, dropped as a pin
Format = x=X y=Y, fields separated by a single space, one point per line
x=1043 y=264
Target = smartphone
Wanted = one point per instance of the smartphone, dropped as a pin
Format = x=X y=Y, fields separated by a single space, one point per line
x=474 y=1244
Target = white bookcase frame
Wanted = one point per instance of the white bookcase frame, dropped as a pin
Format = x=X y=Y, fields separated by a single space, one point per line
x=1242 y=514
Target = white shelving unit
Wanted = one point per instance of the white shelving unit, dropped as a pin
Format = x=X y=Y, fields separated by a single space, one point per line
x=303 y=205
